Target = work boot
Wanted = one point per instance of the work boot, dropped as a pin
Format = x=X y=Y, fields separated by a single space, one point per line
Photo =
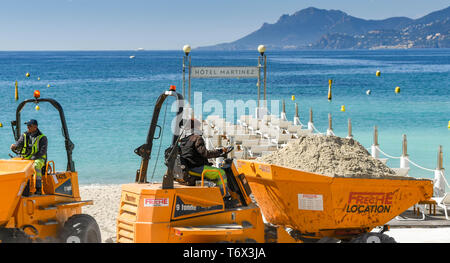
x=38 y=186
x=230 y=202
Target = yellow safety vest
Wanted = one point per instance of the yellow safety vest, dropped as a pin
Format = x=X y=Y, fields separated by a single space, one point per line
x=28 y=151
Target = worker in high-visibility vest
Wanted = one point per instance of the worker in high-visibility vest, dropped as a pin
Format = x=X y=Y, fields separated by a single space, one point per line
x=32 y=145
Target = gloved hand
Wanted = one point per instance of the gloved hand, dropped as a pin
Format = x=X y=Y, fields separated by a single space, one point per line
x=14 y=149
x=227 y=149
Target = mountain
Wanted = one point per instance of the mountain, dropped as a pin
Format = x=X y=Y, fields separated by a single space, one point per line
x=333 y=29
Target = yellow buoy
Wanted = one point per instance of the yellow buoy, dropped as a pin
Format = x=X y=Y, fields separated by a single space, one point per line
x=39 y=78
x=397 y=89
x=378 y=73
x=27 y=75
x=1 y=124
x=329 y=89
x=343 y=108
x=48 y=86
x=293 y=97
x=449 y=124
x=16 y=93
x=37 y=107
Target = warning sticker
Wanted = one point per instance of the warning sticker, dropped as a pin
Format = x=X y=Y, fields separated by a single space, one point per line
x=310 y=202
x=156 y=202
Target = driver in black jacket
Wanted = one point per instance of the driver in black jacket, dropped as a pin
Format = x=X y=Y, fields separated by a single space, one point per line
x=194 y=155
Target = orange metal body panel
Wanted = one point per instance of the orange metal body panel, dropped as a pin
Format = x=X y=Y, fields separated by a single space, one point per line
x=250 y=214
x=30 y=212
x=284 y=237
x=150 y=214
x=52 y=181
x=17 y=210
x=13 y=177
x=318 y=205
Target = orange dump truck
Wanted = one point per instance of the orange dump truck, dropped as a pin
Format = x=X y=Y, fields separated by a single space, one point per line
x=317 y=207
x=52 y=214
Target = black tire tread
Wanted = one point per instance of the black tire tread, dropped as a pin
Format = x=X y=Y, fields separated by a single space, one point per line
x=78 y=225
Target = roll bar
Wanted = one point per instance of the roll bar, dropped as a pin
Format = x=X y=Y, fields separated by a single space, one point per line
x=145 y=150
x=68 y=143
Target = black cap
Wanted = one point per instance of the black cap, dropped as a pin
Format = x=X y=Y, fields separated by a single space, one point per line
x=31 y=122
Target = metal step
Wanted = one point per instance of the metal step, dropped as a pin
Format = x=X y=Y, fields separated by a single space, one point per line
x=75 y=203
x=48 y=222
x=218 y=229
x=66 y=204
x=50 y=207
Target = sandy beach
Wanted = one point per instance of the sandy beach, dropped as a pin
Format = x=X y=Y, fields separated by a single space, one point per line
x=105 y=208
x=106 y=201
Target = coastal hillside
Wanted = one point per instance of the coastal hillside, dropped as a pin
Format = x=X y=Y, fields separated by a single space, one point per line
x=314 y=28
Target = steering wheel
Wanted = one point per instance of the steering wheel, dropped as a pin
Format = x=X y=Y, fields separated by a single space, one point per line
x=229 y=149
x=16 y=151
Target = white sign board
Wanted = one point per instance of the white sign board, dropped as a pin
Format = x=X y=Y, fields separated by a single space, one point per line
x=224 y=72
x=310 y=202
x=156 y=202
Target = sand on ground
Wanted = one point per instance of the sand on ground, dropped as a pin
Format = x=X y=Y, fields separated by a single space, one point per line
x=105 y=208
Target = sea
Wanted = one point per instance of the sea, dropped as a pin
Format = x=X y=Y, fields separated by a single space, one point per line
x=108 y=100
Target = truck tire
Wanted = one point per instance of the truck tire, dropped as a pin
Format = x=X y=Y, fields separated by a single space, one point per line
x=373 y=238
x=13 y=235
x=329 y=240
x=80 y=228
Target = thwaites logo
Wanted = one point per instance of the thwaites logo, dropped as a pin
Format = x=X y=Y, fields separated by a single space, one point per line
x=156 y=202
x=369 y=202
x=183 y=209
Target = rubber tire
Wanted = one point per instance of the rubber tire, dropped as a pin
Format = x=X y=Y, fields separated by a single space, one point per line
x=371 y=237
x=329 y=240
x=13 y=235
x=80 y=228
x=270 y=233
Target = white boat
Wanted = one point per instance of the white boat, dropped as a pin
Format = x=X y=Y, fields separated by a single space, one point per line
x=132 y=57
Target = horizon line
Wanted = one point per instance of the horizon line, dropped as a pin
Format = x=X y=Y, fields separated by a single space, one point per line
x=202 y=50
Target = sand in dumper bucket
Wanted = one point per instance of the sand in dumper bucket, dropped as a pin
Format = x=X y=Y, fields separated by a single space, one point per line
x=330 y=156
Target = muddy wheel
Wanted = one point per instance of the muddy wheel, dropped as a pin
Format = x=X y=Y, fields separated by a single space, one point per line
x=13 y=235
x=81 y=228
x=270 y=233
x=329 y=240
x=373 y=238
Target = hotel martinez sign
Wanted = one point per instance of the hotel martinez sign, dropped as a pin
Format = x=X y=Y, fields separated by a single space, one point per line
x=224 y=72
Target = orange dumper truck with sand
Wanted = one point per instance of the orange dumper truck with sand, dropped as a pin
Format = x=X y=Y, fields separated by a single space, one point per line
x=55 y=214
x=297 y=206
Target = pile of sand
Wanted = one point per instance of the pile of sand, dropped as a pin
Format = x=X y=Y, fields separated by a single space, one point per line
x=329 y=155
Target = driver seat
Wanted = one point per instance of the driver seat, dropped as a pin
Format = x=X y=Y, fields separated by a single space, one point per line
x=181 y=173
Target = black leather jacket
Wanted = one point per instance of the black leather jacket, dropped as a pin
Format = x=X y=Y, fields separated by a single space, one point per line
x=194 y=152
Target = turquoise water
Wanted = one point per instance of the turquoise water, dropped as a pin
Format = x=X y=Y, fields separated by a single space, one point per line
x=108 y=100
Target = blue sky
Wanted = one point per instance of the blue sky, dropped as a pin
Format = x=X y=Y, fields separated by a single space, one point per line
x=165 y=25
